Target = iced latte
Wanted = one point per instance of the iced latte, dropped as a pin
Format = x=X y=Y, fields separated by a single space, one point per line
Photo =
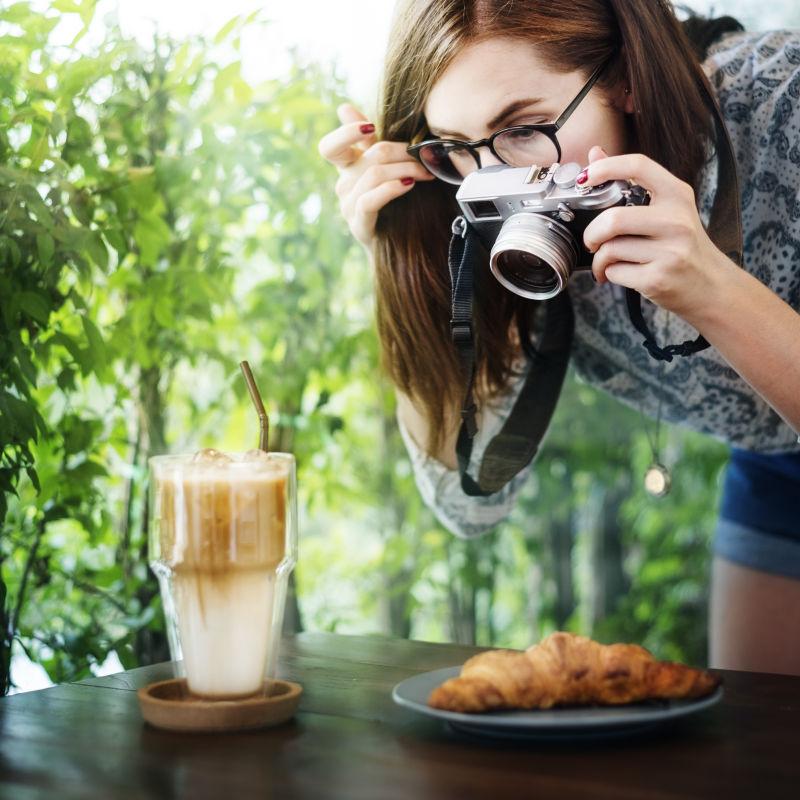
x=223 y=542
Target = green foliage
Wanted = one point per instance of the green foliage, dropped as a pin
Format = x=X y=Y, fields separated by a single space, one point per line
x=160 y=219
x=138 y=190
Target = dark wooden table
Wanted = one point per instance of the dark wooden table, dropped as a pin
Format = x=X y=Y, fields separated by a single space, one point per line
x=87 y=740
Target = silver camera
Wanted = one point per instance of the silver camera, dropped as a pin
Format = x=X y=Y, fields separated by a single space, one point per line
x=533 y=219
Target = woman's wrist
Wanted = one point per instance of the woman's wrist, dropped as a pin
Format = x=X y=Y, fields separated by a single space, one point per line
x=725 y=285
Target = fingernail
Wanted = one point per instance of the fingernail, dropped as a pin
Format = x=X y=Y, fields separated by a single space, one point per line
x=368 y=128
x=583 y=176
x=406 y=181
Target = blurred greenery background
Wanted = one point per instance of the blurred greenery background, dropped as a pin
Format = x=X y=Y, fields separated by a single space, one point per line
x=163 y=217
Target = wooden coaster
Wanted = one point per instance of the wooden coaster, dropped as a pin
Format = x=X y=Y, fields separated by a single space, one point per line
x=169 y=705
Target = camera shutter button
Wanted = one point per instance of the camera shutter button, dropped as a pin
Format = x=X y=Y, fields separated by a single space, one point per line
x=565 y=175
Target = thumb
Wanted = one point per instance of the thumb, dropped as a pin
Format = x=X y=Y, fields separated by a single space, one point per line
x=349 y=113
x=596 y=153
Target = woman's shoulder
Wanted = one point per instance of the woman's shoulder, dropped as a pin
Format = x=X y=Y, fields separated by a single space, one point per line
x=755 y=63
x=756 y=76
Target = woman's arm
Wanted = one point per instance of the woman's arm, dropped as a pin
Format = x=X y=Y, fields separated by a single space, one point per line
x=418 y=428
x=663 y=251
x=757 y=333
x=437 y=475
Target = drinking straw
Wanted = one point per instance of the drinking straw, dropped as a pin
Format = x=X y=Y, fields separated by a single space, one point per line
x=255 y=396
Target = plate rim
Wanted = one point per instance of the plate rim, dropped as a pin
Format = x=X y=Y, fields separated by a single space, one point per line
x=513 y=720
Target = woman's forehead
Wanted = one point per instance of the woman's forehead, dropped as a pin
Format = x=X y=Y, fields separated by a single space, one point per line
x=488 y=77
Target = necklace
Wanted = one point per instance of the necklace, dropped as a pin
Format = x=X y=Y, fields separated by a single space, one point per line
x=657 y=478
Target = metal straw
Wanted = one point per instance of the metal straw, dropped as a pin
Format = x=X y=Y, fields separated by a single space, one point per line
x=263 y=419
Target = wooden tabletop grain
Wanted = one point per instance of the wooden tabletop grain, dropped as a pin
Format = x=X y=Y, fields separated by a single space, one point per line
x=349 y=740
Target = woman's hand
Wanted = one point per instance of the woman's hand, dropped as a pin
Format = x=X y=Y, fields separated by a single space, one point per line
x=661 y=250
x=371 y=173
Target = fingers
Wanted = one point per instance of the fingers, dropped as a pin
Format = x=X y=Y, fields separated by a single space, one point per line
x=377 y=174
x=372 y=173
x=347 y=143
x=383 y=161
x=384 y=172
x=641 y=170
x=367 y=206
x=596 y=153
x=622 y=221
x=628 y=249
x=384 y=153
x=349 y=113
x=378 y=186
x=625 y=274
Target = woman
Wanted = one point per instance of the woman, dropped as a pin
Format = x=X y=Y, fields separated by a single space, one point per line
x=466 y=70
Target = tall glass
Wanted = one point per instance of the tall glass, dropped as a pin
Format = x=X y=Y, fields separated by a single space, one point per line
x=223 y=542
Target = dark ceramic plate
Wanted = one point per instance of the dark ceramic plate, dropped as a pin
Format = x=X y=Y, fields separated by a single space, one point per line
x=552 y=724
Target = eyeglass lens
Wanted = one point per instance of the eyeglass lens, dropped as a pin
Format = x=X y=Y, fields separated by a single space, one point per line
x=517 y=148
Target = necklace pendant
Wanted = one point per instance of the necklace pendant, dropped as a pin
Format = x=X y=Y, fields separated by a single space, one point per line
x=657 y=480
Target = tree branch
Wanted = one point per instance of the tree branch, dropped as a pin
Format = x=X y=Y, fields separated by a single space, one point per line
x=14 y=621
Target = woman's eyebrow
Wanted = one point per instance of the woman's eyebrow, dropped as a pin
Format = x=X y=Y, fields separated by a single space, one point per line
x=510 y=109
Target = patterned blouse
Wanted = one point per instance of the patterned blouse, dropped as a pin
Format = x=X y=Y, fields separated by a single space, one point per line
x=757 y=80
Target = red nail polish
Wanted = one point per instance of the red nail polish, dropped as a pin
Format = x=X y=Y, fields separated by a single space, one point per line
x=369 y=128
x=406 y=181
x=583 y=176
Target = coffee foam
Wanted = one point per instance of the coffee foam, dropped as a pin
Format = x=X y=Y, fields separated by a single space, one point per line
x=213 y=517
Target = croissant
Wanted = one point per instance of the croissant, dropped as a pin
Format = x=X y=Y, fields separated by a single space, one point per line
x=566 y=669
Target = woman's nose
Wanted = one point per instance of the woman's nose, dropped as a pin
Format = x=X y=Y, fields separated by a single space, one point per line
x=487 y=157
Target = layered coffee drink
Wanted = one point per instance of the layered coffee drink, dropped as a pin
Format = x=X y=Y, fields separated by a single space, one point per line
x=223 y=544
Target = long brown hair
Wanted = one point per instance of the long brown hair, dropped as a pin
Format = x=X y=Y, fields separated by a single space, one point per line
x=649 y=53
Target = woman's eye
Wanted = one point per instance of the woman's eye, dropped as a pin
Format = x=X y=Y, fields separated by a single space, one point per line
x=523 y=134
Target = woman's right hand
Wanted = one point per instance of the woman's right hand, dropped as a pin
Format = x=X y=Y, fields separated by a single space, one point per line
x=371 y=173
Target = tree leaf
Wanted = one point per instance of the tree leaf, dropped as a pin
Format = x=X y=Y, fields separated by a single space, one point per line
x=35 y=204
x=80 y=355
x=97 y=347
x=227 y=28
x=35 y=305
x=45 y=247
x=86 y=471
x=151 y=234
x=21 y=415
x=34 y=478
x=96 y=248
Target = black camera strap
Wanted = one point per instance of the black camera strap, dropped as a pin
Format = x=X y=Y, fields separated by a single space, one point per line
x=519 y=438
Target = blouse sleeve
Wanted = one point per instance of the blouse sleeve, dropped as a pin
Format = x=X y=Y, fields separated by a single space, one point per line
x=440 y=487
x=757 y=78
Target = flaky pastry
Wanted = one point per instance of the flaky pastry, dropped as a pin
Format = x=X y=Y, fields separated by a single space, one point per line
x=566 y=669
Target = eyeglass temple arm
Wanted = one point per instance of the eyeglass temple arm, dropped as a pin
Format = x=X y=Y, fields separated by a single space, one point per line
x=581 y=94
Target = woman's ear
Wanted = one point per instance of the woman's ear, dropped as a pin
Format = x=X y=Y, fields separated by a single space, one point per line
x=622 y=99
x=628 y=106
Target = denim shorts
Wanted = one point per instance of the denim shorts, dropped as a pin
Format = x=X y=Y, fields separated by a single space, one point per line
x=759 y=518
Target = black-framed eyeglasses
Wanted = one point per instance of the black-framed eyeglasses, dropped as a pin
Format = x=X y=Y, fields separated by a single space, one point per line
x=452 y=160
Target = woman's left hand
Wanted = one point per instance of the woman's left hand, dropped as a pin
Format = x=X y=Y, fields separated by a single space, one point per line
x=662 y=250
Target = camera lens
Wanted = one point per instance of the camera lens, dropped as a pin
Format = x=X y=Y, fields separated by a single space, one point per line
x=533 y=256
x=527 y=271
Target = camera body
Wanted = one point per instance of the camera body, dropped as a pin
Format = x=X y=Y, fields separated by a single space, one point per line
x=533 y=219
